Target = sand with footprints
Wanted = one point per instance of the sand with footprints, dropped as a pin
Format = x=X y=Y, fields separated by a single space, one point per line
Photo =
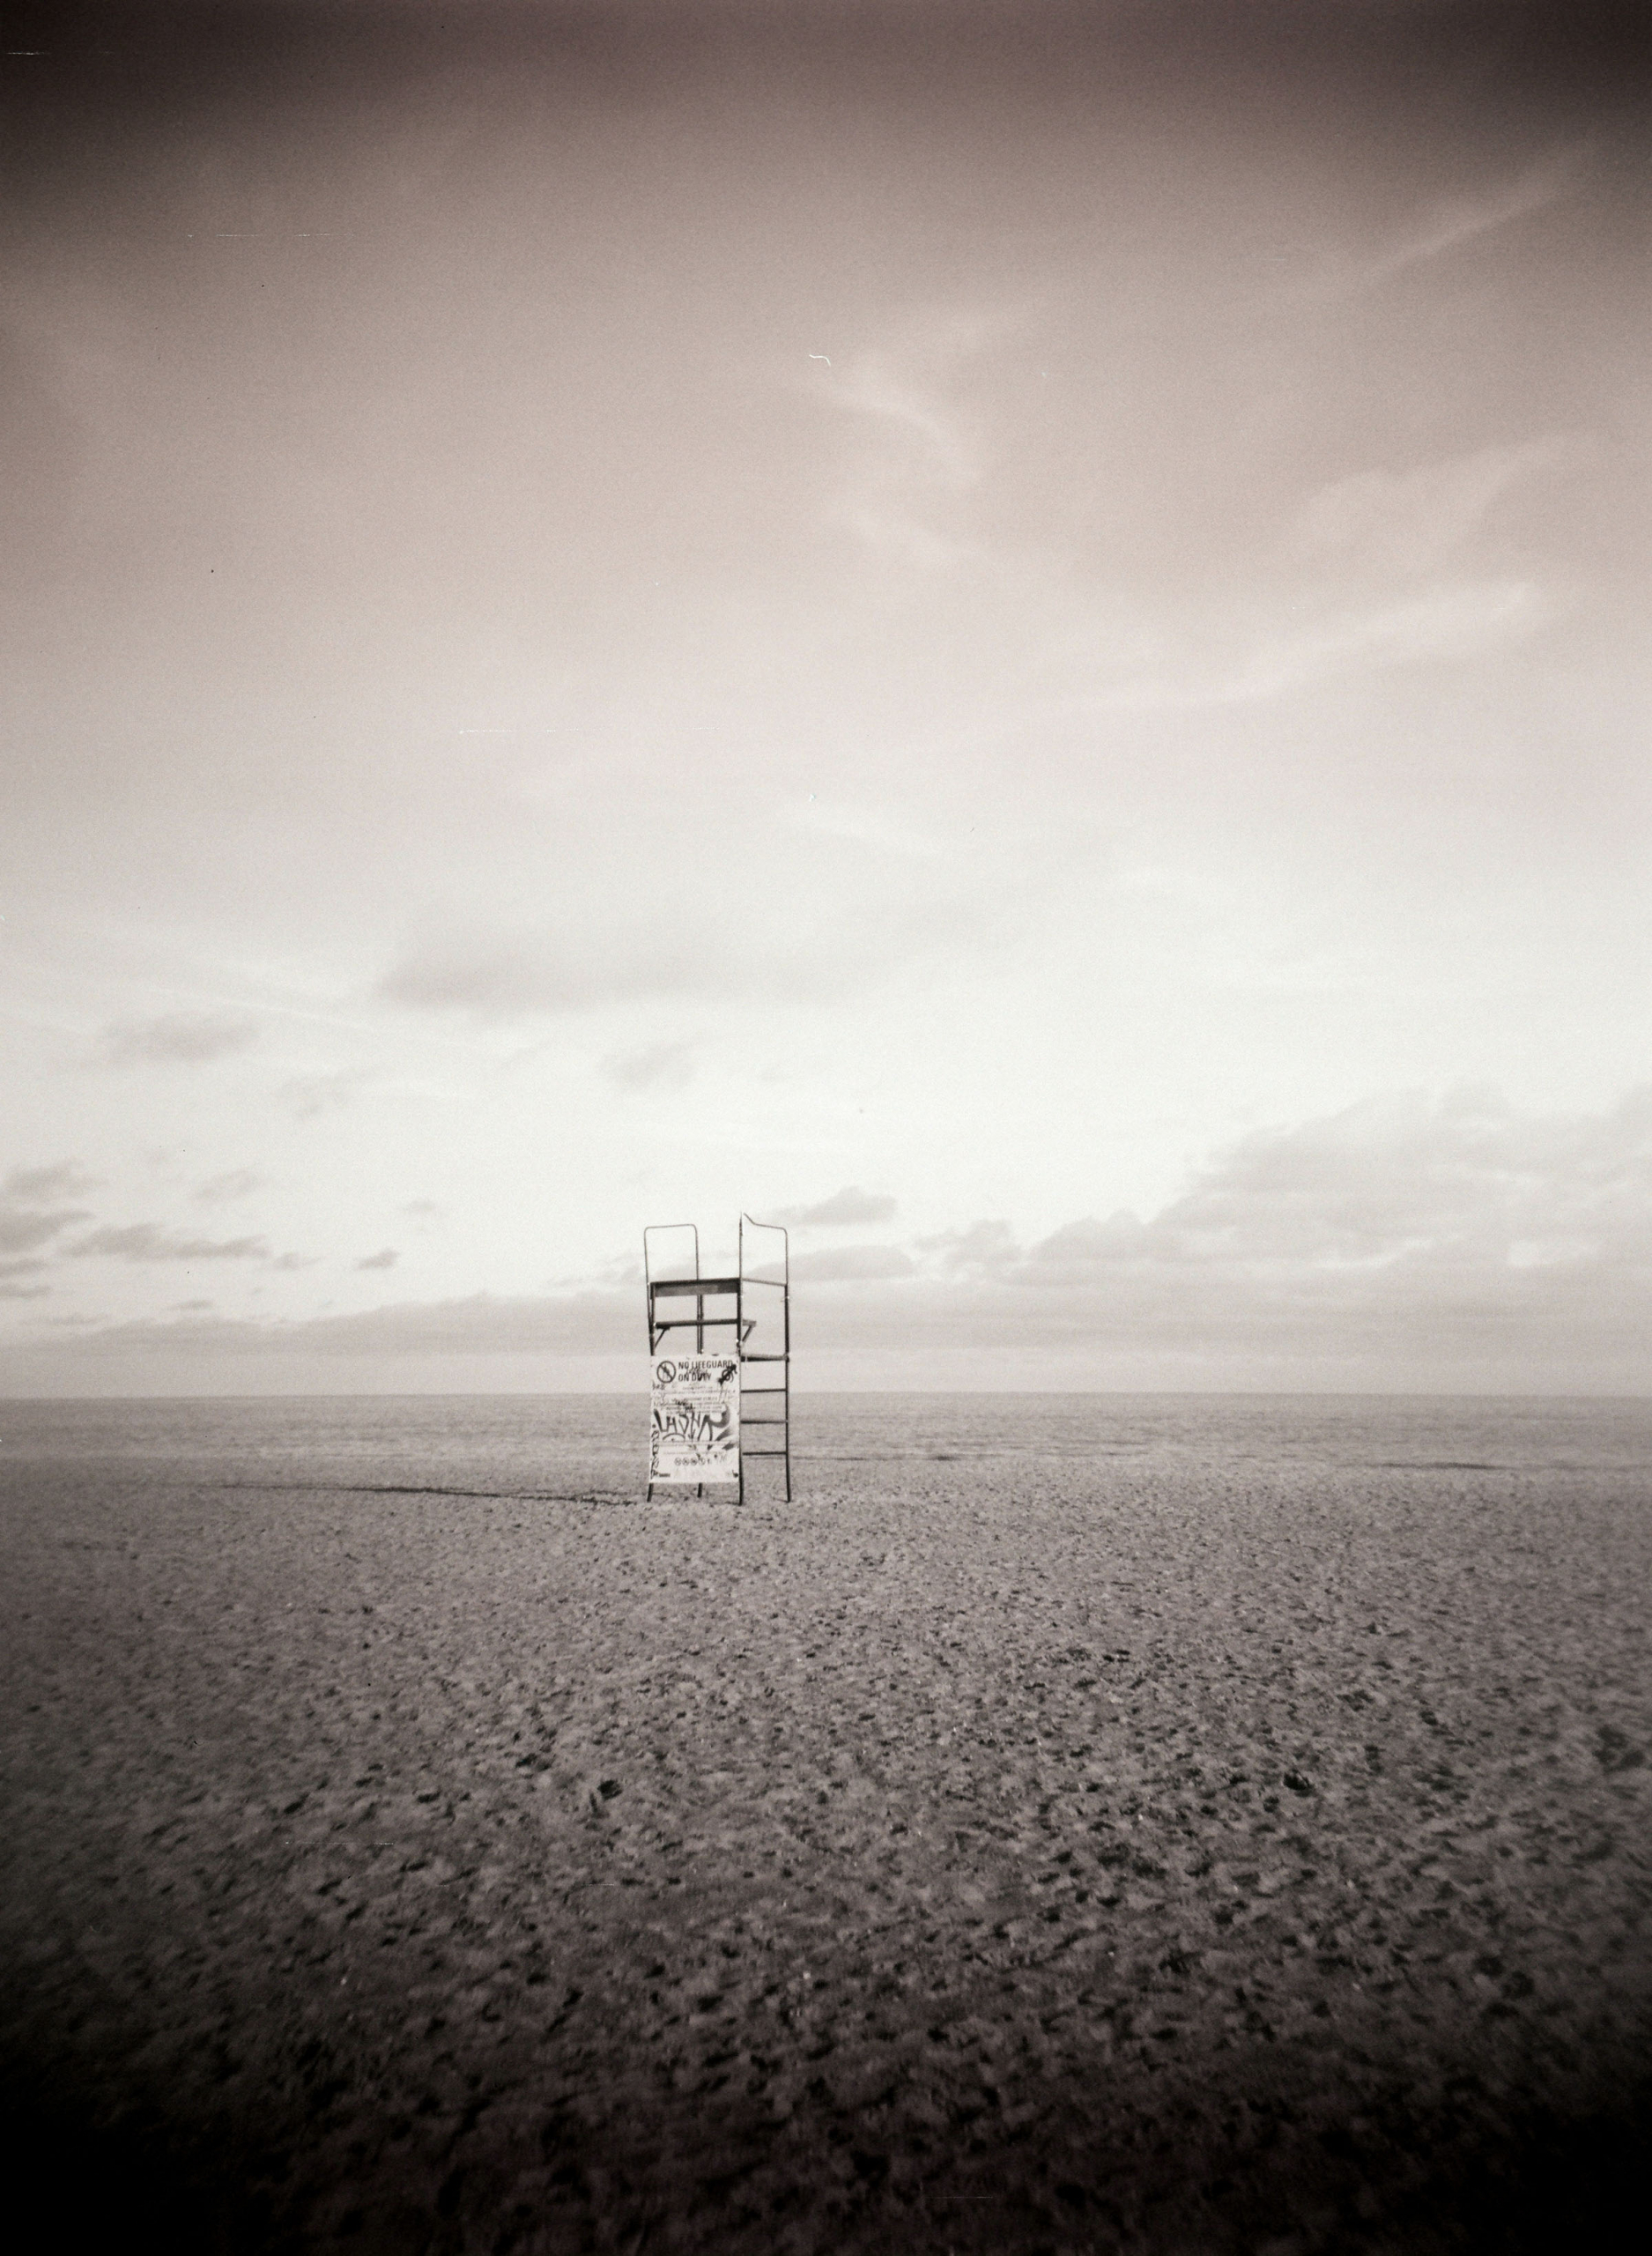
x=1032 y=1838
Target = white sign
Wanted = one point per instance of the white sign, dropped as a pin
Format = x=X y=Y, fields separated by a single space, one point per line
x=696 y=1418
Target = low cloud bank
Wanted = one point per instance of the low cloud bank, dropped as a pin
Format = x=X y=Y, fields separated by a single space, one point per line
x=1402 y=1244
x=1403 y=1234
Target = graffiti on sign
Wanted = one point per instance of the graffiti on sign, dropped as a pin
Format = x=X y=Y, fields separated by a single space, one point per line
x=696 y=1418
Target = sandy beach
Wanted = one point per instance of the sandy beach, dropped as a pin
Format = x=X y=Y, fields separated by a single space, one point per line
x=1162 y=1847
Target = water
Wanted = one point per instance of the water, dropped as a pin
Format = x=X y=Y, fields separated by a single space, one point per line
x=566 y=1444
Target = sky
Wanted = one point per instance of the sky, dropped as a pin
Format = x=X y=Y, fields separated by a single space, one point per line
x=1016 y=635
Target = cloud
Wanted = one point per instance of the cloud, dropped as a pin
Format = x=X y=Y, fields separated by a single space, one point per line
x=24 y=1268
x=1405 y=523
x=752 y=903
x=1077 y=1248
x=850 y=1207
x=849 y=1264
x=814 y=949
x=983 y=1245
x=423 y=1209
x=178 y=1038
x=1405 y=1176
x=23 y=1224
x=1408 y=1242
x=874 y=385
x=509 y=975
x=239 y=1182
x=21 y=1232
x=660 y=1065
x=309 y=1095
x=1400 y=1181
x=30 y=1185
x=1443 y=622
x=9 y=1291
x=1381 y=569
x=1458 y=219
x=386 y=1258
x=911 y=447
x=149 y=1242
x=1327 y=635
x=1403 y=1232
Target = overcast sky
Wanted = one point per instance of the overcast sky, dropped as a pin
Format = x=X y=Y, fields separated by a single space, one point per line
x=1018 y=632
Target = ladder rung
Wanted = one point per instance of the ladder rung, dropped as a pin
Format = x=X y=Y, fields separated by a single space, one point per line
x=765 y=1452
x=766 y=1359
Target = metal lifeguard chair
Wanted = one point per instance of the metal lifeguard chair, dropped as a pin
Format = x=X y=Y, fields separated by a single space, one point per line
x=705 y=1402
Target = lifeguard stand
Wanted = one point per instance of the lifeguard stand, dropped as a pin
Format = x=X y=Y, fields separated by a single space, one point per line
x=741 y=1304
